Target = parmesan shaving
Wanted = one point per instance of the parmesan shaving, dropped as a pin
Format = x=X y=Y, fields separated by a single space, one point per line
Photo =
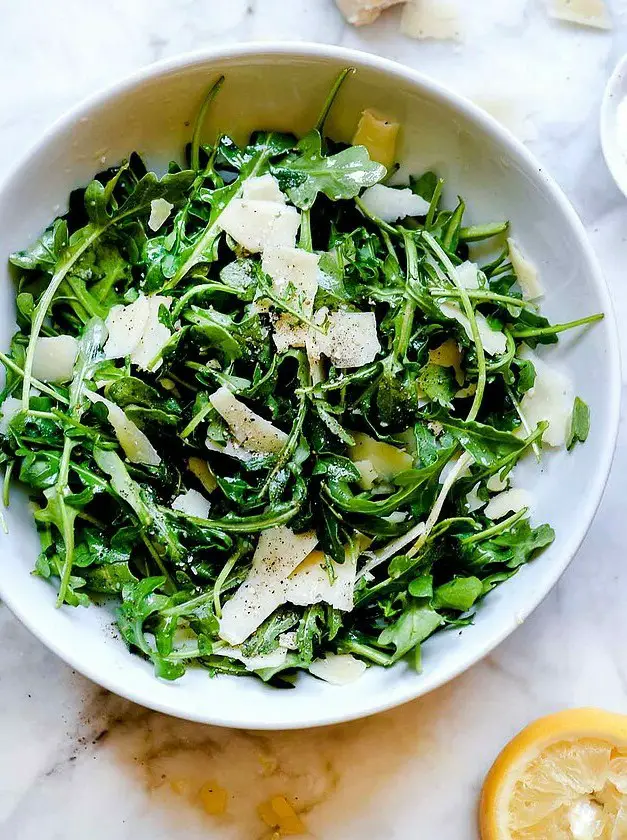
x=510 y=501
x=437 y=19
x=592 y=13
x=137 y=448
x=262 y=188
x=362 y=12
x=256 y=225
x=160 y=210
x=379 y=136
x=391 y=204
x=54 y=357
x=294 y=275
x=125 y=326
x=193 y=503
x=254 y=433
x=154 y=337
x=550 y=399
x=526 y=272
x=494 y=341
x=338 y=668
x=279 y=551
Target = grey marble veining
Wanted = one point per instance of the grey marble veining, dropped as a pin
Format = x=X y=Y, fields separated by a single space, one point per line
x=77 y=762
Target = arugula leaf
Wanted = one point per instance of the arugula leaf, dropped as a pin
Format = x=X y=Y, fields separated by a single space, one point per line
x=579 y=424
x=485 y=443
x=458 y=594
x=307 y=172
x=413 y=626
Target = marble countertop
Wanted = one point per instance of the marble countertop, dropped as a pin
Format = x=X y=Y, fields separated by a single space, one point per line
x=76 y=761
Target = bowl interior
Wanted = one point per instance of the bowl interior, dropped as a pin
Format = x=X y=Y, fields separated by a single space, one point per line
x=283 y=88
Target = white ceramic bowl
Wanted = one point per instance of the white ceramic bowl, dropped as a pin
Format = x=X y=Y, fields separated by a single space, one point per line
x=281 y=87
x=612 y=124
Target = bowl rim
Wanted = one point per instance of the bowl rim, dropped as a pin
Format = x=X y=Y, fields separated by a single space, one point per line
x=616 y=165
x=313 y=50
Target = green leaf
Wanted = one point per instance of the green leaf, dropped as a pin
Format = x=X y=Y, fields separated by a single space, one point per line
x=579 y=424
x=412 y=627
x=438 y=383
x=510 y=549
x=421 y=587
x=485 y=443
x=266 y=638
x=309 y=633
x=340 y=176
x=109 y=579
x=458 y=594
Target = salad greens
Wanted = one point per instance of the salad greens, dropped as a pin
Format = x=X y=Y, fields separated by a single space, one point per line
x=276 y=456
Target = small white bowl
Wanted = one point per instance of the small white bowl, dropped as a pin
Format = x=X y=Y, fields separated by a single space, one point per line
x=611 y=127
x=281 y=86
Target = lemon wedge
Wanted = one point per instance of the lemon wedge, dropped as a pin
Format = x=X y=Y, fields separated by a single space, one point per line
x=564 y=777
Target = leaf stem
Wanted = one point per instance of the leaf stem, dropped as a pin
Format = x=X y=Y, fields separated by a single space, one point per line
x=495 y=529
x=470 y=314
x=558 y=328
x=200 y=120
x=328 y=104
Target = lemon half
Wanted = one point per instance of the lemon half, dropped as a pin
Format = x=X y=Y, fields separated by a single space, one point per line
x=564 y=777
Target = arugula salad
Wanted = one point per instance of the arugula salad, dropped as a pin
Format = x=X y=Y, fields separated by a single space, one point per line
x=272 y=405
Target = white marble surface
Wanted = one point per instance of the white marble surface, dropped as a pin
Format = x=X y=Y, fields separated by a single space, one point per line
x=76 y=762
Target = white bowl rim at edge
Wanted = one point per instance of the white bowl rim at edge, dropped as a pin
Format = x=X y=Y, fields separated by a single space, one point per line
x=607 y=124
x=488 y=123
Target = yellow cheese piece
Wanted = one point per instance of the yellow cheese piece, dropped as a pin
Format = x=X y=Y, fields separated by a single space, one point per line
x=387 y=460
x=379 y=136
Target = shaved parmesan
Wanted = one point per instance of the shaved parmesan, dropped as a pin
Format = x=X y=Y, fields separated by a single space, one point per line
x=279 y=551
x=430 y=19
x=511 y=501
x=468 y=275
x=526 y=272
x=495 y=483
x=387 y=460
x=202 y=472
x=274 y=659
x=367 y=472
x=10 y=407
x=193 y=503
x=473 y=502
x=448 y=355
x=309 y=583
x=262 y=188
x=584 y=12
x=160 y=210
x=137 y=448
x=550 y=399
x=454 y=467
x=54 y=357
x=233 y=450
x=249 y=429
x=390 y=204
x=379 y=136
x=338 y=668
x=294 y=275
x=256 y=225
x=154 y=337
x=362 y=12
x=494 y=341
x=289 y=333
x=126 y=325
x=350 y=341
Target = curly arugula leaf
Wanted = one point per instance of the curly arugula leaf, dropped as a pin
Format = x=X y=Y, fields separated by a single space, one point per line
x=307 y=172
